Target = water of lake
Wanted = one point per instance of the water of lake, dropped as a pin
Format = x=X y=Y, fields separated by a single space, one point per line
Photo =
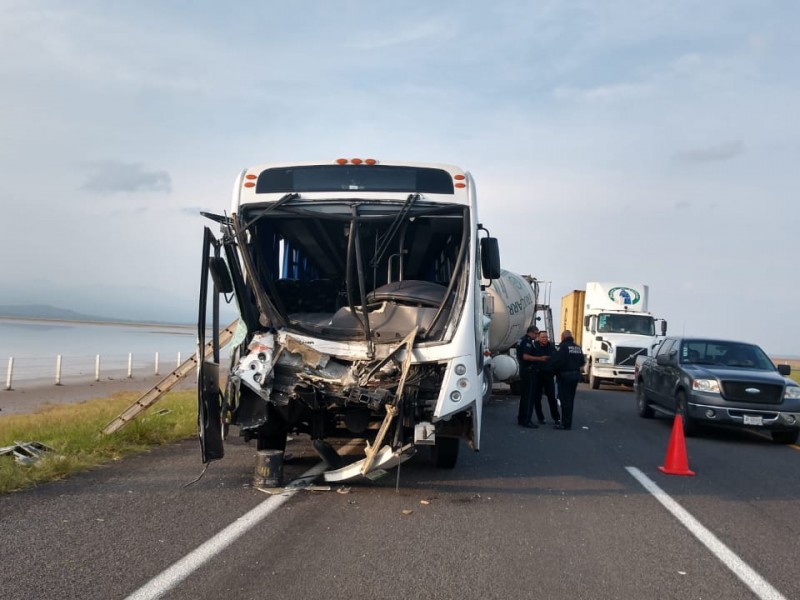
x=34 y=346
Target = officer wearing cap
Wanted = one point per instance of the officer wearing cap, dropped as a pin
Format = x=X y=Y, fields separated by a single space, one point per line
x=524 y=359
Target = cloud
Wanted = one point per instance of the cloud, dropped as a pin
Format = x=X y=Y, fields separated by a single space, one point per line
x=602 y=93
x=434 y=29
x=113 y=176
x=718 y=152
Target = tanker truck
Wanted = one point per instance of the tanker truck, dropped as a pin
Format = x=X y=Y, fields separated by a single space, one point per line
x=610 y=321
x=513 y=305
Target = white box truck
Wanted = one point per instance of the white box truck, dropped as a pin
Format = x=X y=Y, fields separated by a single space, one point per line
x=612 y=324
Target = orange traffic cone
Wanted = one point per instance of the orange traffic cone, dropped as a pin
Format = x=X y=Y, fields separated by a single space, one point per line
x=676 y=462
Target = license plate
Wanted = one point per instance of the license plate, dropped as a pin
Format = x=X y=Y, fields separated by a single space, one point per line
x=753 y=420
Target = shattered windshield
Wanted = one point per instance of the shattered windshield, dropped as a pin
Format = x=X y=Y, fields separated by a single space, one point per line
x=357 y=268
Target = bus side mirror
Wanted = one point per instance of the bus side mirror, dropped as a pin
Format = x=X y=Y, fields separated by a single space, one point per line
x=663 y=328
x=490 y=258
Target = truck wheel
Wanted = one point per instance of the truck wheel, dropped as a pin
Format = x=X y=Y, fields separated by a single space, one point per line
x=445 y=452
x=594 y=382
x=487 y=383
x=785 y=437
x=643 y=404
x=690 y=427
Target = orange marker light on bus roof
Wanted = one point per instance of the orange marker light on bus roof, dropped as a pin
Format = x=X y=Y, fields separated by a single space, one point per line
x=459 y=177
x=249 y=184
x=251 y=176
x=341 y=161
x=371 y=161
x=356 y=161
x=461 y=185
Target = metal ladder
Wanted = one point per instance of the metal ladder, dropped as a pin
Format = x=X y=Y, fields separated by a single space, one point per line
x=154 y=394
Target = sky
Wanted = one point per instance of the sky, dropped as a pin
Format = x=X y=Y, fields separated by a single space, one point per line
x=644 y=142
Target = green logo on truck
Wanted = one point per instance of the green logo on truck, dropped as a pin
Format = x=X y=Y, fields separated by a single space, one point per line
x=624 y=295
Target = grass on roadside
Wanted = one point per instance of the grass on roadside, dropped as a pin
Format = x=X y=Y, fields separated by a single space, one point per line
x=74 y=432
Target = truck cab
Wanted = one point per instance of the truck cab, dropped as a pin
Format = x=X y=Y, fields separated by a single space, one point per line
x=616 y=329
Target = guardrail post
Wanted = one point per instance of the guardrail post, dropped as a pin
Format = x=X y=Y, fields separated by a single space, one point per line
x=156 y=363
x=97 y=368
x=10 y=372
x=58 y=370
x=130 y=365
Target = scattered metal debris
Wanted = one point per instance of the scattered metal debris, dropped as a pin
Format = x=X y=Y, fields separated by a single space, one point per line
x=28 y=453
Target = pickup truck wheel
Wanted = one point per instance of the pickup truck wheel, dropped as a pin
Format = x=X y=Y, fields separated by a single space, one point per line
x=487 y=383
x=643 y=404
x=594 y=382
x=690 y=427
x=785 y=437
x=445 y=452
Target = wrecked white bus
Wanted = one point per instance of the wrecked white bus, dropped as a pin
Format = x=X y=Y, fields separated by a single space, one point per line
x=358 y=286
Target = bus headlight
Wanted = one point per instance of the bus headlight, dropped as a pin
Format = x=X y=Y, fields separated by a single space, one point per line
x=455 y=395
x=460 y=369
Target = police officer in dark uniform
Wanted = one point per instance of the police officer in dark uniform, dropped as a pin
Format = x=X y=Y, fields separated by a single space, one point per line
x=543 y=377
x=568 y=362
x=524 y=358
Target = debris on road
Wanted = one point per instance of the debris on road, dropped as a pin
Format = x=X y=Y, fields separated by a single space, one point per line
x=27 y=453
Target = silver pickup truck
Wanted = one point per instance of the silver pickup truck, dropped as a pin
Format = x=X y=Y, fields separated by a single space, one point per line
x=718 y=382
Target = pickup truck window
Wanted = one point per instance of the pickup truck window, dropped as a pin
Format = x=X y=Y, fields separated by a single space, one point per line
x=665 y=347
x=730 y=354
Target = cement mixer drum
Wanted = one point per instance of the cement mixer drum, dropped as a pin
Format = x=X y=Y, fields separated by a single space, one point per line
x=514 y=308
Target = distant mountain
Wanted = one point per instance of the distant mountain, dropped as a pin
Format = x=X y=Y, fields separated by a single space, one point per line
x=44 y=311
x=39 y=298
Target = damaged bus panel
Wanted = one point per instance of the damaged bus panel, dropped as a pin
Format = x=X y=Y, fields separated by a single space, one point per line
x=358 y=286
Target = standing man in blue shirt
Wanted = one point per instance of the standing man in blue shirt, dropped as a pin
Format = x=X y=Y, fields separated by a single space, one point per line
x=543 y=377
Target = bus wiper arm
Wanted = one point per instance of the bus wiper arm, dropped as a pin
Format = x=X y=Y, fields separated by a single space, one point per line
x=284 y=200
x=390 y=233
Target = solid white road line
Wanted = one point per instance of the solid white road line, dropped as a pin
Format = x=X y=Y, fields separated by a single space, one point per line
x=171 y=577
x=742 y=570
